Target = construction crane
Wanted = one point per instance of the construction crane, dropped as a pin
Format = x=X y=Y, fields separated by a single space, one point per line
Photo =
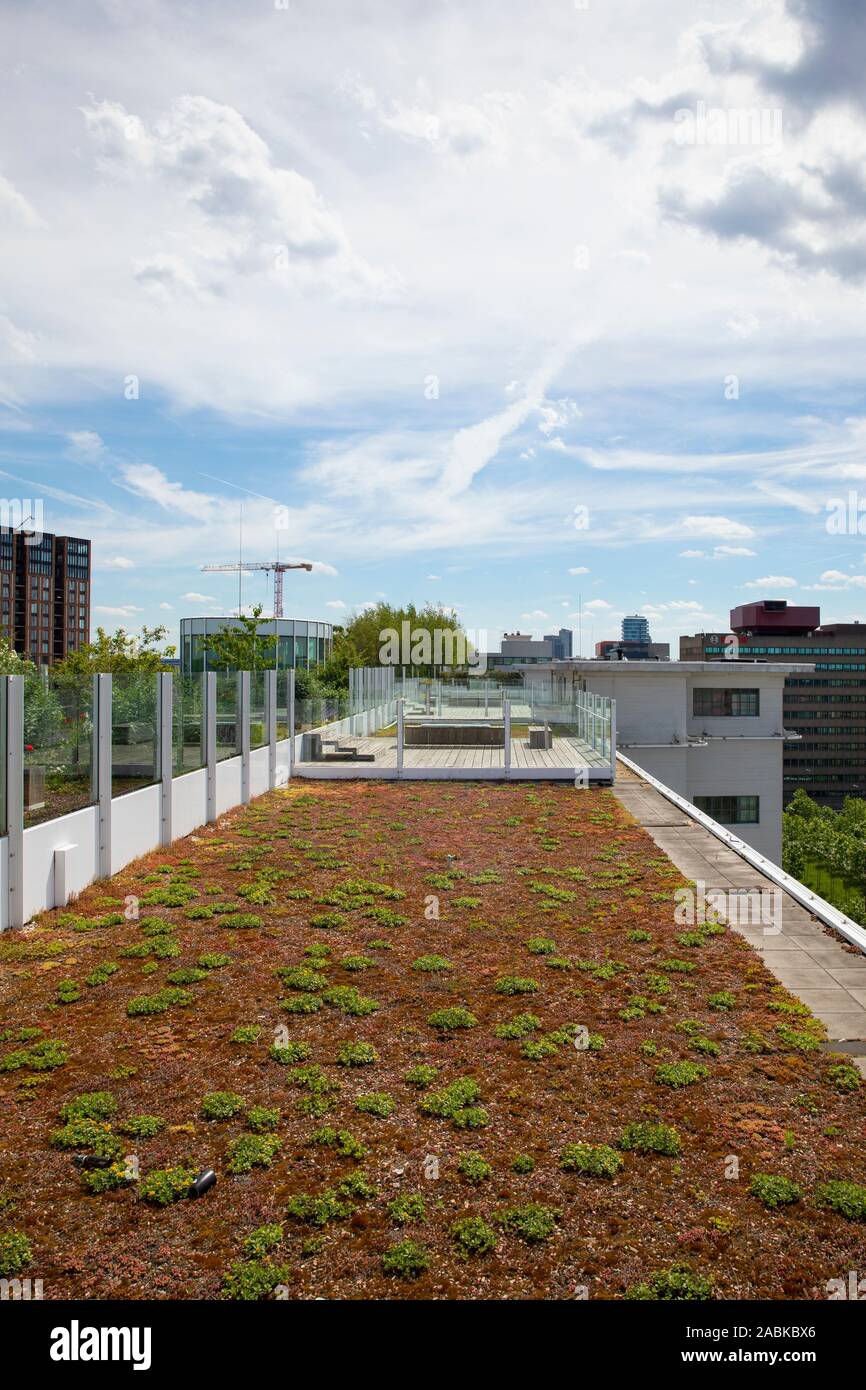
x=279 y=568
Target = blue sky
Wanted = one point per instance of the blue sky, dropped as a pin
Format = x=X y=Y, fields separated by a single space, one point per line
x=448 y=284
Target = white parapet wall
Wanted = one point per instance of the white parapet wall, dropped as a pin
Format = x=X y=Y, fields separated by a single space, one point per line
x=47 y=865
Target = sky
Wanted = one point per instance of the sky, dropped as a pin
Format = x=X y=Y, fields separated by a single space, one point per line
x=548 y=313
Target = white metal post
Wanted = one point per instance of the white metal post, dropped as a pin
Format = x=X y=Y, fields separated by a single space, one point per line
x=14 y=700
x=400 y=737
x=102 y=725
x=242 y=732
x=166 y=768
x=271 y=725
x=506 y=712
x=613 y=740
x=210 y=742
x=290 y=714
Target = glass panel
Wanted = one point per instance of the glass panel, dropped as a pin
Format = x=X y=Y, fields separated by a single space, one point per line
x=258 y=723
x=134 y=732
x=4 y=689
x=58 y=744
x=188 y=724
x=228 y=734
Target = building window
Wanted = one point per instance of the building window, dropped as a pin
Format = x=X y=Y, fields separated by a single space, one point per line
x=716 y=703
x=730 y=810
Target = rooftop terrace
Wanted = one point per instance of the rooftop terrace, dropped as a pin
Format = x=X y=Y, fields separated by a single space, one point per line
x=437 y=1041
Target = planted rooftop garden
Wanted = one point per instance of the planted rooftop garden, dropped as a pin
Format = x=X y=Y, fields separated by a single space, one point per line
x=436 y=1041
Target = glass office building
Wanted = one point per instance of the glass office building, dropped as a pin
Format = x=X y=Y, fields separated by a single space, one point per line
x=300 y=643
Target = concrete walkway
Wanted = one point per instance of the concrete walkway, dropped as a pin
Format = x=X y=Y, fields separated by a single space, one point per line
x=827 y=975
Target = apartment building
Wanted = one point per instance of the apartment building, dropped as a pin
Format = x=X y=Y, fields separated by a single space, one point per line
x=824 y=710
x=714 y=736
x=44 y=594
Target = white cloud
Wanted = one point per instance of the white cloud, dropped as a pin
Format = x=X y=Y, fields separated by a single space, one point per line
x=335 y=603
x=692 y=554
x=772 y=581
x=125 y=611
x=598 y=604
x=167 y=607
x=537 y=613
x=86 y=445
x=721 y=551
x=579 y=569
x=198 y=598
x=115 y=562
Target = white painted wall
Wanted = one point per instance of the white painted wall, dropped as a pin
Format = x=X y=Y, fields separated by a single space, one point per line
x=135 y=828
x=657 y=730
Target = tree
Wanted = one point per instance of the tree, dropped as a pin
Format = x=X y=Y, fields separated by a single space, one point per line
x=118 y=654
x=361 y=641
x=242 y=647
x=11 y=664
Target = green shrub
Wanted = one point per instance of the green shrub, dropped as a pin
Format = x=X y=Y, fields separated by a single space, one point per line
x=407 y=1209
x=241 y=919
x=474 y=1166
x=347 y=999
x=166 y=1185
x=99 y=1180
x=328 y=921
x=87 y=1136
x=357 y=963
x=91 y=1105
x=143 y=1126
x=541 y=946
x=263 y=1239
x=302 y=1004
x=679 y=1074
x=706 y=1046
x=534 y=1051
x=647 y=1137
x=262 y=1119
x=446 y=1020
x=407 y=1259
x=532 y=1222
x=774 y=1190
x=376 y=1103
x=847 y=1198
x=676 y=966
x=247 y=1033
x=473 y=1237
x=516 y=984
x=455 y=1102
x=158 y=1003
x=722 y=1000
x=517 y=1027
x=356 y=1054
x=213 y=960
x=187 y=975
x=16 y=1253
x=676 y=1284
x=68 y=992
x=318 y=1211
x=290 y=1053
x=596 y=1161
x=844 y=1077
x=102 y=974
x=301 y=977
x=523 y=1163
x=342 y=1140
x=249 y=1280
x=431 y=964
x=221 y=1105
x=164 y=949
x=798 y=1039
x=421 y=1076
x=252 y=1151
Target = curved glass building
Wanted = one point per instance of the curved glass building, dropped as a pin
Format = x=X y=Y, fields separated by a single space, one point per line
x=301 y=643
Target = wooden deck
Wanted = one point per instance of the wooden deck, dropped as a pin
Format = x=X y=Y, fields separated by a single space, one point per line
x=560 y=763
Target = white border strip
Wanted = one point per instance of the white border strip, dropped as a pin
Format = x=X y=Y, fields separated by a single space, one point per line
x=793 y=887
